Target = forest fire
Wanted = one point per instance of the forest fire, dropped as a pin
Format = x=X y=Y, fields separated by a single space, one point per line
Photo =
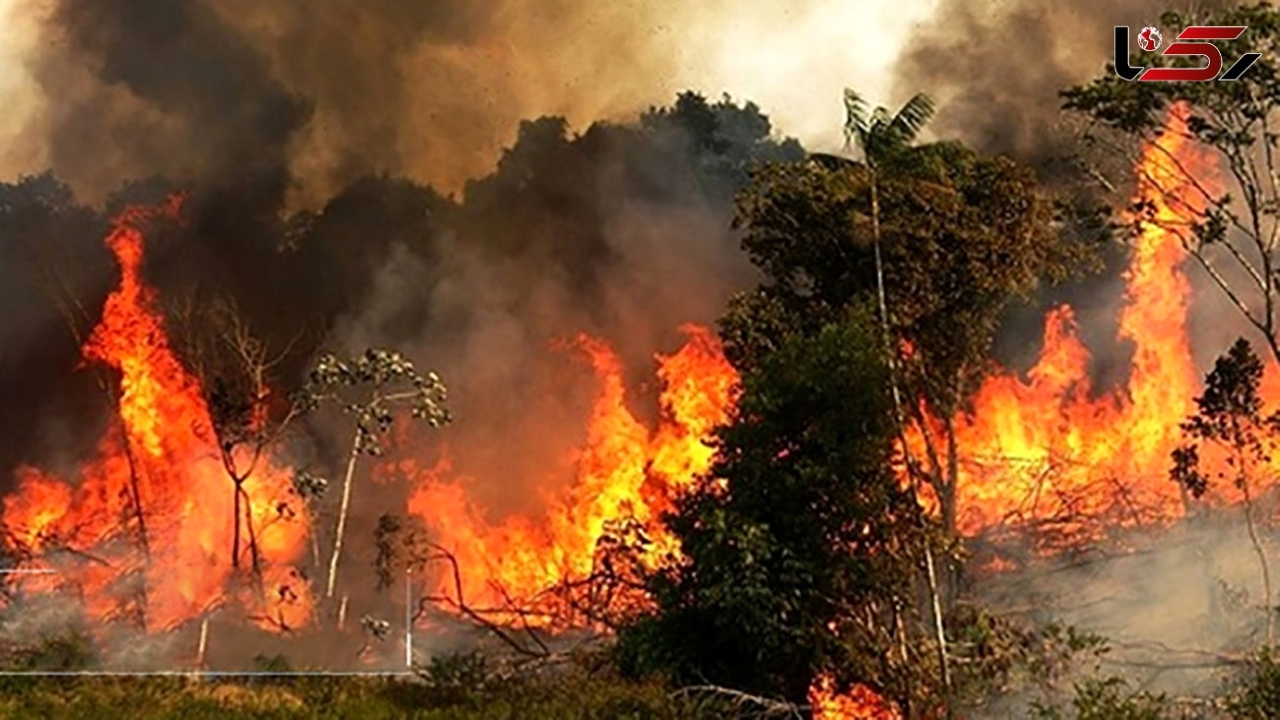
x=147 y=531
x=860 y=703
x=625 y=476
x=1048 y=449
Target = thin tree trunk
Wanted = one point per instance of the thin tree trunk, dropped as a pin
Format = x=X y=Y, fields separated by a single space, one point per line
x=342 y=514
x=944 y=664
x=255 y=556
x=235 y=533
x=1268 y=604
x=204 y=643
x=135 y=491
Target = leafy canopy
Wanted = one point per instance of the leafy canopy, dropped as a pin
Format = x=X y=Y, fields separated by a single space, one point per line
x=796 y=539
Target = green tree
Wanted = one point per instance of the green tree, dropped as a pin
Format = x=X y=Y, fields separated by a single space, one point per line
x=960 y=237
x=1230 y=416
x=1107 y=699
x=1228 y=224
x=797 y=555
x=369 y=388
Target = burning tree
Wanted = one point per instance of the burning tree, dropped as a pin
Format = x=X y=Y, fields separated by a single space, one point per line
x=959 y=237
x=233 y=367
x=158 y=463
x=1230 y=228
x=781 y=542
x=1231 y=420
x=370 y=388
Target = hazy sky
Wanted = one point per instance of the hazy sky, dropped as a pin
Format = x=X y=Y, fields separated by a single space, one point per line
x=17 y=96
x=796 y=62
x=792 y=58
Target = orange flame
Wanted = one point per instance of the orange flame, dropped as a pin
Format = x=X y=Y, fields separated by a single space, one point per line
x=860 y=703
x=624 y=472
x=1049 y=449
x=174 y=561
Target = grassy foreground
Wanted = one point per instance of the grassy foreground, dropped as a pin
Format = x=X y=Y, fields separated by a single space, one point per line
x=571 y=696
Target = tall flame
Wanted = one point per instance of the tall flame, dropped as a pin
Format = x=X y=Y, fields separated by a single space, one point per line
x=625 y=471
x=150 y=522
x=1043 y=447
x=1048 y=448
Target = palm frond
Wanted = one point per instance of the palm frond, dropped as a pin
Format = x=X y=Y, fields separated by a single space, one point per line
x=907 y=123
x=855 y=118
x=830 y=162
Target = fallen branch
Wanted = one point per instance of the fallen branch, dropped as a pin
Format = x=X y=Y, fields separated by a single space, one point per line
x=764 y=707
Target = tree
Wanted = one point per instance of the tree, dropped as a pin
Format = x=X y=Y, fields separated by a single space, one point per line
x=799 y=551
x=382 y=380
x=961 y=236
x=885 y=139
x=234 y=368
x=1230 y=228
x=1230 y=418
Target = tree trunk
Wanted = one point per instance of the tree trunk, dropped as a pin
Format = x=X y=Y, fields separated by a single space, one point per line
x=340 y=533
x=235 y=533
x=1268 y=601
x=939 y=628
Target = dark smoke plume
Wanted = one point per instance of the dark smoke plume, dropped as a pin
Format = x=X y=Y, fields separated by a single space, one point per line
x=997 y=67
x=254 y=111
x=996 y=70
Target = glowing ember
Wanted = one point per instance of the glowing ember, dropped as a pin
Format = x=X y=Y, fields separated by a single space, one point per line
x=171 y=561
x=624 y=472
x=860 y=703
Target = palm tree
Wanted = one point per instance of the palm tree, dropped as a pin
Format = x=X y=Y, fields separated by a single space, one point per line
x=881 y=138
x=885 y=142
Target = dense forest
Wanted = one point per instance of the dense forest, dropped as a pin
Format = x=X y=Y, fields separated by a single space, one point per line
x=892 y=471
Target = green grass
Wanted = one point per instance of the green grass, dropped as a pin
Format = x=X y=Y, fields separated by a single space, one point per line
x=571 y=696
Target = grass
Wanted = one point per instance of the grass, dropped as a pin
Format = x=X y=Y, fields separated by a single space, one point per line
x=571 y=696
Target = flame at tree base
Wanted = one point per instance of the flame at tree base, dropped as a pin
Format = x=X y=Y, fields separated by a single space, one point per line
x=147 y=530
x=625 y=477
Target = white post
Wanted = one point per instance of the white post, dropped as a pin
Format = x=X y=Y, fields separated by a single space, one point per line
x=204 y=641
x=408 y=621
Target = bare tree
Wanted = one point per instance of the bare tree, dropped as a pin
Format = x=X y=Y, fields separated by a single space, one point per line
x=1212 y=178
x=234 y=369
x=370 y=388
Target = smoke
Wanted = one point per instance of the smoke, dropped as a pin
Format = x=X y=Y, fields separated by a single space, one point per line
x=1170 y=601
x=1172 y=604
x=996 y=68
x=430 y=91
x=620 y=230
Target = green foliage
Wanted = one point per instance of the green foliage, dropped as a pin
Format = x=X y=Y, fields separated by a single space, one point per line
x=726 y=138
x=995 y=656
x=1106 y=699
x=950 y=237
x=73 y=650
x=962 y=237
x=1255 y=694
x=880 y=134
x=569 y=695
x=1229 y=414
x=455 y=679
x=390 y=379
x=797 y=551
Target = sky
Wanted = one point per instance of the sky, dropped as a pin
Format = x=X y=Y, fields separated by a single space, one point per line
x=793 y=59
x=796 y=61
x=18 y=99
